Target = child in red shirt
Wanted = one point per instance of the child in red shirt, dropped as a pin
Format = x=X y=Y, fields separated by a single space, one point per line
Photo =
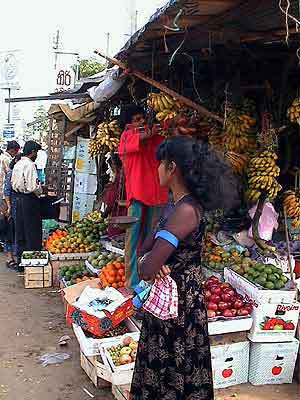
x=145 y=197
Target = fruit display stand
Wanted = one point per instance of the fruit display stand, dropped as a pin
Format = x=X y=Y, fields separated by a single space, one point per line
x=37 y=276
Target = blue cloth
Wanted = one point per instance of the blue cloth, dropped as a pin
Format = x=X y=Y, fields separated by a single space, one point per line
x=168 y=236
x=41 y=176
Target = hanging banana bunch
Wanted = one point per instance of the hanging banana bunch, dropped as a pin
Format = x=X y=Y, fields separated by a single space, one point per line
x=291 y=203
x=164 y=105
x=237 y=161
x=238 y=127
x=262 y=173
x=107 y=137
x=293 y=112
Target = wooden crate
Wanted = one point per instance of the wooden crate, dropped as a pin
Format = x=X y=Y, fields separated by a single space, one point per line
x=38 y=277
x=98 y=373
x=58 y=264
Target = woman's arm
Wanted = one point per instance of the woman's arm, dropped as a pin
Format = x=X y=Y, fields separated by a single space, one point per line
x=181 y=224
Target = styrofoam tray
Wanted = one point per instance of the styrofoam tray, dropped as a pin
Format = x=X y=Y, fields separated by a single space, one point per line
x=35 y=262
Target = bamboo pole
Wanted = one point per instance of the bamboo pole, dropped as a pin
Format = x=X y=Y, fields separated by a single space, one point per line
x=184 y=100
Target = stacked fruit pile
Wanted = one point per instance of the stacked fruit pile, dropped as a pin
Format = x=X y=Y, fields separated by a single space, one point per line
x=101 y=259
x=218 y=257
x=125 y=352
x=81 y=237
x=222 y=300
x=238 y=127
x=291 y=203
x=262 y=173
x=73 y=274
x=113 y=274
x=293 y=112
x=107 y=138
x=265 y=275
x=164 y=105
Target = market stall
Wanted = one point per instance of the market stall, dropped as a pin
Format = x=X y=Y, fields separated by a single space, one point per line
x=223 y=74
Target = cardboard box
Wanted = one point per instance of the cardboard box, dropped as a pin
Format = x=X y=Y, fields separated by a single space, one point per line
x=226 y=326
x=121 y=375
x=230 y=362
x=91 y=347
x=274 y=322
x=85 y=183
x=96 y=370
x=256 y=295
x=89 y=322
x=38 y=277
x=272 y=363
x=82 y=205
x=84 y=163
x=121 y=392
x=57 y=264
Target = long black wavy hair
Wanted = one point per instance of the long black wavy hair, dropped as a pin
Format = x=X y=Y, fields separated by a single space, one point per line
x=205 y=173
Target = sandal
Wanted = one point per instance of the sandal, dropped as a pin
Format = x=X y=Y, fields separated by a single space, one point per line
x=11 y=264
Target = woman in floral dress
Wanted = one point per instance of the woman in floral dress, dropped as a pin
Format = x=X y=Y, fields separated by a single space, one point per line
x=173 y=360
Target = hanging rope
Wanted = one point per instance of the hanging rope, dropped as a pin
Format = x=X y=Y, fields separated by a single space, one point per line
x=175 y=27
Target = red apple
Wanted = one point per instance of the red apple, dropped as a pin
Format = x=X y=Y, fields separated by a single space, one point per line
x=276 y=370
x=215 y=298
x=238 y=304
x=211 y=314
x=215 y=289
x=242 y=312
x=206 y=294
x=230 y=292
x=289 y=326
x=248 y=307
x=227 y=373
x=227 y=313
x=212 y=306
x=239 y=296
x=225 y=285
x=226 y=297
x=234 y=312
x=222 y=305
x=218 y=313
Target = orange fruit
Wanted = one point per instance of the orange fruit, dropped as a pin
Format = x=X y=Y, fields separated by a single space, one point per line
x=115 y=285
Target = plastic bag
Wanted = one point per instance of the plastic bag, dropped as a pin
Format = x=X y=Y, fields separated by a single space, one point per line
x=53 y=358
x=267 y=222
x=106 y=89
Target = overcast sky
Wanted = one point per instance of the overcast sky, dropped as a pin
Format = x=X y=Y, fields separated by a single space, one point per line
x=29 y=25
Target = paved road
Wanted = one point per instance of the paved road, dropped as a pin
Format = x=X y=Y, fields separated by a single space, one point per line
x=31 y=323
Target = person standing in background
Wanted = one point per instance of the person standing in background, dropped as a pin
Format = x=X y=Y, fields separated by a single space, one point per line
x=41 y=163
x=10 y=198
x=6 y=157
x=28 y=189
x=144 y=195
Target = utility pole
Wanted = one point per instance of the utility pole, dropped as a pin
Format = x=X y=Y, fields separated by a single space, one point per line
x=56 y=45
x=107 y=44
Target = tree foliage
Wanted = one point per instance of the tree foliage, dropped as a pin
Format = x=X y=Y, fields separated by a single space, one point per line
x=88 y=67
x=40 y=129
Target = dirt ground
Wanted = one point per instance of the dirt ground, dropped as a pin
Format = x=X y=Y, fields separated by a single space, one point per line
x=31 y=323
